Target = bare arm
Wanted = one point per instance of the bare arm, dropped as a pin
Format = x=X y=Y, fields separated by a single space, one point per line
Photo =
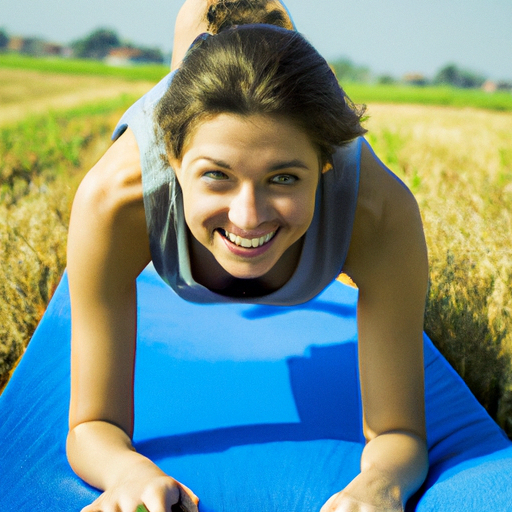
x=190 y=22
x=108 y=247
x=388 y=262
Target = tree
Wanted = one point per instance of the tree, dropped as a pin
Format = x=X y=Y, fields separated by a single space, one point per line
x=97 y=45
x=457 y=77
x=4 y=39
x=347 y=71
x=153 y=55
x=386 y=79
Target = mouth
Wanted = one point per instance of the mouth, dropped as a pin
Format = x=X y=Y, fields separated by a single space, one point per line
x=247 y=243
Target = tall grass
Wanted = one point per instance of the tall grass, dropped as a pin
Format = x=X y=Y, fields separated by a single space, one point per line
x=459 y=165
x=42 y=161
x=458 y=162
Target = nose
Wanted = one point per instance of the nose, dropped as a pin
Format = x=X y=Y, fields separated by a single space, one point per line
x=248 y=208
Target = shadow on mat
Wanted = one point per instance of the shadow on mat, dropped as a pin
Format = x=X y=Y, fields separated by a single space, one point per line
x=326 y=393
x=322 y=306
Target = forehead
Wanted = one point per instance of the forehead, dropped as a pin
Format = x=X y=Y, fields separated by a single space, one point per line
x=253 y=136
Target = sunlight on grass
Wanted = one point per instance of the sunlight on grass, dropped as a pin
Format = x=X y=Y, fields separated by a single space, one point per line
x=457 y=161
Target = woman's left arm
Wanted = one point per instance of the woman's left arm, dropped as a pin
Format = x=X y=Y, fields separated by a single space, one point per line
x=388 y=261
x=190 y=22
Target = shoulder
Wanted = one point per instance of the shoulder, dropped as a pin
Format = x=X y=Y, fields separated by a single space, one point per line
x=388 y=231
x=383 y=198
x=108 y=219
x=114 y=184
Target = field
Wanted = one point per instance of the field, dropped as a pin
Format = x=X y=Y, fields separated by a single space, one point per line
x=26 y=92
x=439 y=96
x=457 y=161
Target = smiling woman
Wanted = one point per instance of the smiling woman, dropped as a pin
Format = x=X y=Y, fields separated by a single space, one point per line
x=266 y=190
x=247 y=116
x=243 y=176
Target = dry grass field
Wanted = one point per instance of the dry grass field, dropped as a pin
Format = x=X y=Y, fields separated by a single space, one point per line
x=45 y=148
x=25 y=92
x=458 y=163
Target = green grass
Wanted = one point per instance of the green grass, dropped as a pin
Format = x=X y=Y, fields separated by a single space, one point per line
x=43 y=158
x=458 y=163
x=358 y=92
x=428 y=95
x=149 y=72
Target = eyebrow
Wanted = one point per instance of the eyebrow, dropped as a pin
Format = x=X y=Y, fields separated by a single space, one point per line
x=276 y=167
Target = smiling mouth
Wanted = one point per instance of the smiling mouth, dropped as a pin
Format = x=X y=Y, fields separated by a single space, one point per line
x=248 y=243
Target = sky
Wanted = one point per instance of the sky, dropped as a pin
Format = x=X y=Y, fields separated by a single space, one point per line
x=389 y=36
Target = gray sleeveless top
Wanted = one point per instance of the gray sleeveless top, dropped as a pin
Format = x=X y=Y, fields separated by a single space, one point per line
x=325 y=244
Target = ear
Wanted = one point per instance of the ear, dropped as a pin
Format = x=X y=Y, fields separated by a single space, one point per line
x=175 y=166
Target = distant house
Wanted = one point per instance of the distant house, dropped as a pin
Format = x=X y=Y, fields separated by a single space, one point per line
x=128 y=55
x=36 y=46
x=492 y=86
x=123 y=56
x=16 y=44
x=415 y=79
x=54 y=49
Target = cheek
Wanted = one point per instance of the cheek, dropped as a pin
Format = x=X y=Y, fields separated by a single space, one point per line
x=299 y=210
x=201 y=212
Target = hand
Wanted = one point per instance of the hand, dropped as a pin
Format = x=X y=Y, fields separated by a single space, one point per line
x=145 y=495
x=342 y=502
x=370 y=491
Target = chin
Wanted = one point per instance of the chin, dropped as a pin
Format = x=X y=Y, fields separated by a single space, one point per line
x=245 y=273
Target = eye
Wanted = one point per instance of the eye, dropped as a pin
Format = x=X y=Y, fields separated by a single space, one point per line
x=215 y=175
x=284 y=179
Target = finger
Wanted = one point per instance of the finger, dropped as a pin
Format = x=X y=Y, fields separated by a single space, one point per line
x=188 y=499
x=340 y=503
x=99 y=505
x=160 y=498
x=331 y=504
x=178 y=507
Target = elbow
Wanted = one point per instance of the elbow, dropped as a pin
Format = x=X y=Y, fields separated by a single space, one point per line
x=72 y=449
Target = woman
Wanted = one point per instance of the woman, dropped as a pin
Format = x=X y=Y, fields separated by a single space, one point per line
x=274 y=193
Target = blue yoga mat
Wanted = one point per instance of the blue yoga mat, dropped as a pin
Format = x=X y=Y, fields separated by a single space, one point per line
x=256 y=408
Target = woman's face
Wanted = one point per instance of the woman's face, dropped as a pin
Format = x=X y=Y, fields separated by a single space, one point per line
x=249 y=187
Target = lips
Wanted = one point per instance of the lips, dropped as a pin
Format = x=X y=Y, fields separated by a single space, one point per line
x=248 y=243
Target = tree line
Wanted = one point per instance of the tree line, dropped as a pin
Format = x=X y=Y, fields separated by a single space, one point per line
x=96 y=45
x=99 y=43
x=450 y=74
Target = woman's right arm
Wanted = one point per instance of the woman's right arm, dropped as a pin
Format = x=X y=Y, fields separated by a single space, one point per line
x=107 y=249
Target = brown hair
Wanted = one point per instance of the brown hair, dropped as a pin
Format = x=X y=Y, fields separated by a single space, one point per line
x=227 y=13
x=258 y=69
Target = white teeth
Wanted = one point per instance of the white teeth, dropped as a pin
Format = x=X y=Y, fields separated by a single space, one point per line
x=247 y=242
